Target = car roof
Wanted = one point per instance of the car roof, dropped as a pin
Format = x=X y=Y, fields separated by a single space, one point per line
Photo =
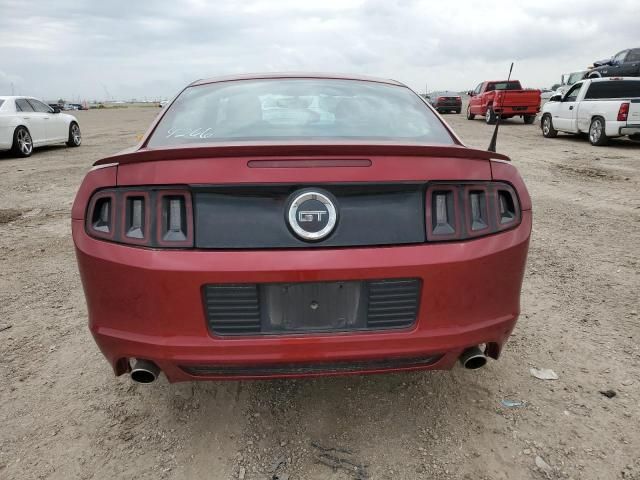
x=607 y=79
x=260 y=76
x=10 y=97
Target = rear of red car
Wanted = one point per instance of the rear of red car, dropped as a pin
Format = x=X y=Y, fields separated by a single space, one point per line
x=206 y=258
x=448 y=103
x=512 y=103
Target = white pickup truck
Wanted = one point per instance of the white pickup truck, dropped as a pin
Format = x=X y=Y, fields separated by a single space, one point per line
x=602 y=107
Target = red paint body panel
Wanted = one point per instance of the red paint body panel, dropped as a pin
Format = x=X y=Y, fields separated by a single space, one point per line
x=509 y=102
x=146 y=303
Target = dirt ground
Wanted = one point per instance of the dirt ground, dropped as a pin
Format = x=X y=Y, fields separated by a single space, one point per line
x=64 y=415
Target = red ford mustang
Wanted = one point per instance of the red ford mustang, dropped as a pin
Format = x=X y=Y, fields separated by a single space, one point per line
x=297 y=225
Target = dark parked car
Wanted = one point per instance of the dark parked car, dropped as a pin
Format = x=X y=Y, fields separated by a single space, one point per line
x=623 y=64
x=445 y=101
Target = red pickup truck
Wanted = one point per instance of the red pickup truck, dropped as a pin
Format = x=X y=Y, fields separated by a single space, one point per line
x=504 y=98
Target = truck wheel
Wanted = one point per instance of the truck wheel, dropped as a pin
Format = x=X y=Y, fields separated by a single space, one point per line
x=547 y=127
x=597 y=135
x=457 y=111
x=490 y=116
x=529 y=119
x=470 y=116
x=635 y=138
x=22 y=143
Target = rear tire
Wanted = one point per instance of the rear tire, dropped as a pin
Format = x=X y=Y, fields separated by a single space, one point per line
x=457 y=111
x=22 y=143
x=597 y=134
x=529 y=119
x=490 y=116
x=470 y=116
x=634 y=138
x=547 y=127
x=75 y=137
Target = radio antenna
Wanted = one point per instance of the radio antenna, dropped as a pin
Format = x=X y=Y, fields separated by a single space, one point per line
x=494 y=138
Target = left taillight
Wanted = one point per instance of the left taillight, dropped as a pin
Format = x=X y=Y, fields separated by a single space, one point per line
x=151 y=217
x=623 y=112
x=460 y=211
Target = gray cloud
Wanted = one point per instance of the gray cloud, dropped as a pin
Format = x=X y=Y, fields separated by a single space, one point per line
x=137 y=49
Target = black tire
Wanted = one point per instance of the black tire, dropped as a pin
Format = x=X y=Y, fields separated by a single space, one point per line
x=470 y=116
x=490 y=116
x=22 y=143
x=457 y=111
x=597 y=134
x=75 y=137
x=635 y=138
x=546 y=125
x=529 y=119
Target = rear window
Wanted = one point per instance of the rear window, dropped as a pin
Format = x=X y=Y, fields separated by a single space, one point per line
x=297 y=109
x=504 y=86
x=613 y=89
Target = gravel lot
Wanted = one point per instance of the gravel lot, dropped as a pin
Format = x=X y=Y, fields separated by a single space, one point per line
x=64 y=415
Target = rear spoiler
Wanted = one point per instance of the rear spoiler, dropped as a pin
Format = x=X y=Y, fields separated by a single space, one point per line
x=295 y=149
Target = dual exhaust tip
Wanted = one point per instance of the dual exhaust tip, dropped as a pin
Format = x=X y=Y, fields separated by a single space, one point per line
x=145 y=371
x=473 y=358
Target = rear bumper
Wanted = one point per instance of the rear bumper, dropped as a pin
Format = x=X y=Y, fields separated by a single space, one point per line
x=147 y=304
x=507 y=110
x=630 y=130
x=449 y=106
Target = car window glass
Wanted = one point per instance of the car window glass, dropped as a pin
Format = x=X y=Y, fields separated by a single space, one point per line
x=505 y=86
x=478 y=88
x=574 y=77
x=572 y=94
x=614 y=89
x=38 y=106
x=293 y=109
x=23 y=106
x=619 y=58
x=634 y=55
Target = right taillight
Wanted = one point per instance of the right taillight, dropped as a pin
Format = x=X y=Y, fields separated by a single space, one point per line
x=127 y=215
x=459 y=211
x=623 y=112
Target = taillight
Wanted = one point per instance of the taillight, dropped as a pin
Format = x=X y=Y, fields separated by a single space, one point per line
x=458 y=211
x=100 y=218
x=623 y=112
x=127 y=215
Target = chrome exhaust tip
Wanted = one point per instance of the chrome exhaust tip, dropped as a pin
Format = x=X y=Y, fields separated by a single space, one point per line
x=144 y=371
x=473 y=358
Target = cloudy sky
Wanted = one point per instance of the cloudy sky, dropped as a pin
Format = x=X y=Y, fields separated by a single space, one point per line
x=134 y=49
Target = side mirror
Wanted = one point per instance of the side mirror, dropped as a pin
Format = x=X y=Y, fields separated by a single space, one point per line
x=555 y=98
x=471 y=93
x=56 y=109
